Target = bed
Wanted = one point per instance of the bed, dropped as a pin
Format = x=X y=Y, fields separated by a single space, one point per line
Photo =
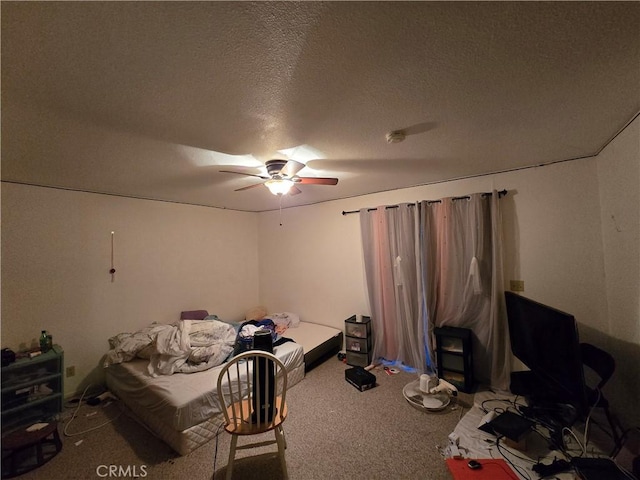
x=182 y=409
x=319 y=342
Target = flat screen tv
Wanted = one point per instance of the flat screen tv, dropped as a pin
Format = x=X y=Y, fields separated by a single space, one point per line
x=546 y=341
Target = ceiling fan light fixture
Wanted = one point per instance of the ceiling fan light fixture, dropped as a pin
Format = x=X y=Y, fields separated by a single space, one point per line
x=279 y=186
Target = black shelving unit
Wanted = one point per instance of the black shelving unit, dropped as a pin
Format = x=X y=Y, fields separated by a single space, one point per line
x=454 y=356
x=358 y=341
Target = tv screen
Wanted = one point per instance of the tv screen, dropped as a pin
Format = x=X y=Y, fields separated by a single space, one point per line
x=546 y=341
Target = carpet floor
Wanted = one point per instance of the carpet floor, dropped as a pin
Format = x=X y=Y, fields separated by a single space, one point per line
x=332 y=431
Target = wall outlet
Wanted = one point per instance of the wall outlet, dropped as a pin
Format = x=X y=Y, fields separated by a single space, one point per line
x=71 y=371
x=516 y=285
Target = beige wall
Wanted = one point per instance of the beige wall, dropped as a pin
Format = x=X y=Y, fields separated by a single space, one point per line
x=559 y=238
x=571 y=233
x=56 y=254
x=619 y=180
x=551 y=233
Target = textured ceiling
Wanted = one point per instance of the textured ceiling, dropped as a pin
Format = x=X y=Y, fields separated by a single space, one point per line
x=153 y=99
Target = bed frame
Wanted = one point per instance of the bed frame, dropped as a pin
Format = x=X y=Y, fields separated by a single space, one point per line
x=190 y=437
x=318 y=344
x=327 y=349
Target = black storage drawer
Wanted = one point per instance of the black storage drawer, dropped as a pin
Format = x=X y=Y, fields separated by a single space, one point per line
x=358 y=341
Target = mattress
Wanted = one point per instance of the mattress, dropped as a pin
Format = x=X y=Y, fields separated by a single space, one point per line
x=187 y=440
x=318 y=341
x=182 y=409
x=182 y=400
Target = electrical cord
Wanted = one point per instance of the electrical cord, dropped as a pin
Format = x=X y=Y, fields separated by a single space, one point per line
x=626 y=473
x=589 y=420
x=585 y=436
x=504 y=400
x=75 y=414
x=570 y=432
x=518 y=469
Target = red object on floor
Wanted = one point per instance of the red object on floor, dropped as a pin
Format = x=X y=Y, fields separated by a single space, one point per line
x=492 y=469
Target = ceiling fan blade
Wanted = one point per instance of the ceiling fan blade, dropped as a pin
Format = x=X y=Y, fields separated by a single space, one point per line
x=291 y=168
x=294 y=190
x=248 y=187
x=316 y=180
x=247 y=174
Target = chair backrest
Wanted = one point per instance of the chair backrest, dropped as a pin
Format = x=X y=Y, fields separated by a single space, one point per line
x=601 y=362
x=252 y=390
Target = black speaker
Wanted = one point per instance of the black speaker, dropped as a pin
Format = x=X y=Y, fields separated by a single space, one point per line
x=262 y=341
x=263 y=378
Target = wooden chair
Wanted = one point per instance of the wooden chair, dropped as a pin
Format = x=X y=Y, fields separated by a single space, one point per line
x=252 y=389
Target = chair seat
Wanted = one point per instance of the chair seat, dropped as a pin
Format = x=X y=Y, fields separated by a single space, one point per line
x=246 y=427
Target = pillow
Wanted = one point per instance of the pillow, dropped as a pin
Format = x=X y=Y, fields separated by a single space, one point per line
x=285 y=319
x=256 y=313
x=193 y=315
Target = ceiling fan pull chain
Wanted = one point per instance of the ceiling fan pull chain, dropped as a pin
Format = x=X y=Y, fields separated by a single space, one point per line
x=280 y=208
x=112 y=271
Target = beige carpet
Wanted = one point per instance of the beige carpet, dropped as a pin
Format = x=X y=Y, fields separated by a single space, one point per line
x=333 y=431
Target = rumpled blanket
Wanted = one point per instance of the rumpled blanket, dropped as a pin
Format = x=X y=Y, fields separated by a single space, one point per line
x=186 y=346
x=283 y=321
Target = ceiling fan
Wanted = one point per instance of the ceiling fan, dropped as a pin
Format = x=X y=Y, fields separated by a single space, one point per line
x=283 y=177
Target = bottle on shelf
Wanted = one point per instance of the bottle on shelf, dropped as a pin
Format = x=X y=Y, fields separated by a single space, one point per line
x=45 y=340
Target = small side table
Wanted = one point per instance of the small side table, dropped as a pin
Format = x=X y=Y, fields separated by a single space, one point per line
x=23 y=450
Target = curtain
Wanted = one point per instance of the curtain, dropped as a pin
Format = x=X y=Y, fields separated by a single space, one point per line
x=454 y=248
x=394 y=285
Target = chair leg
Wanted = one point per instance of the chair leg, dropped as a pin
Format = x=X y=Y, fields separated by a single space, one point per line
x=614 y=430
x=232 y=455
x=281 y=447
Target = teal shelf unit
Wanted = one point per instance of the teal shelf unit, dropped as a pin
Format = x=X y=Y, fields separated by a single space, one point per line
x=32 y=390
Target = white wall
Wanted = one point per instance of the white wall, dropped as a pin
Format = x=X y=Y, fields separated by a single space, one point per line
x=56 y=254
x=619 y=179
x=571 y=233
x=558 y=235
x=313 y=263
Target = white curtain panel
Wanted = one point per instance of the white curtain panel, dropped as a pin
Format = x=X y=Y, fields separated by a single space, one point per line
x=395 y=292
x=438 y=264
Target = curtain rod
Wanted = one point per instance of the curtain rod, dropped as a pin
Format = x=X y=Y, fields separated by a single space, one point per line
x=501 y=193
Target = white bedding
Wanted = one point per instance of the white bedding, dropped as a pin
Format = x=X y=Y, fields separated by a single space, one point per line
x=182 y=409
x=311 y=335
x=186 y=346
x=181 y=400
